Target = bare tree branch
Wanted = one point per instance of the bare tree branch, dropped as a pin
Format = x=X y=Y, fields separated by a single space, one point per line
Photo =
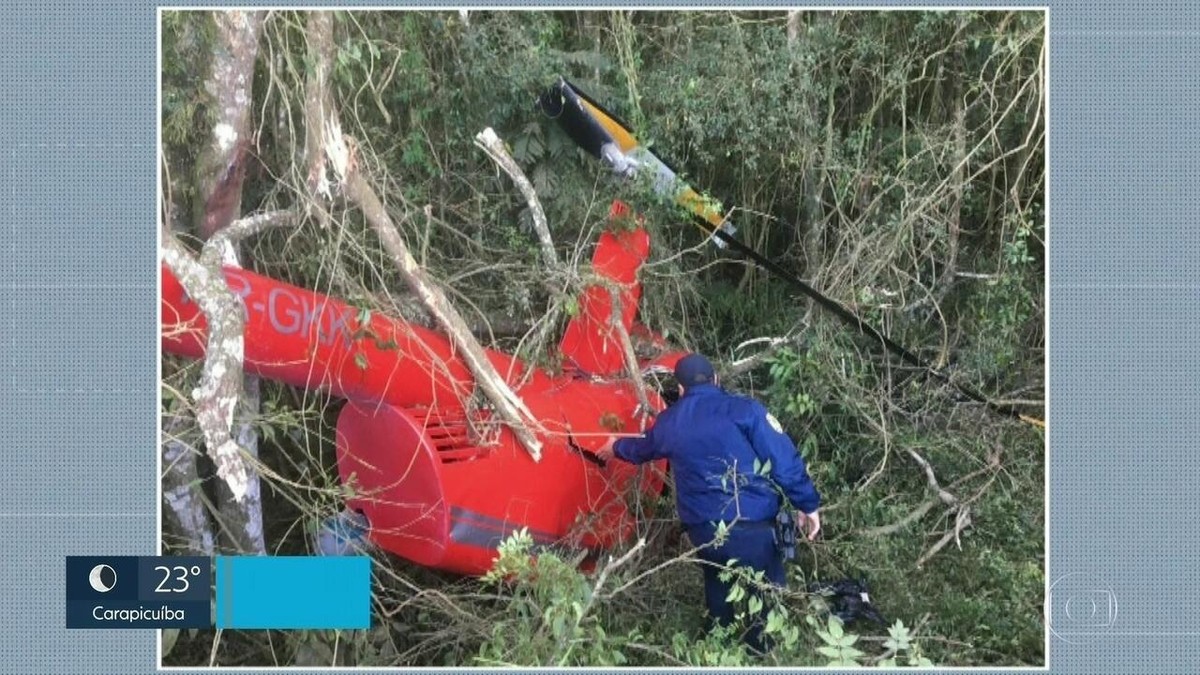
x=341 y=156
x=631 y=362
x=946 y=497
x=494 y=147
x=221 y=246
x=221 y=379
x=318 y=101
x=962 y=520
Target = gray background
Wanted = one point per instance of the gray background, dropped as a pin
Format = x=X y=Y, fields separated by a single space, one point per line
x=78 y=374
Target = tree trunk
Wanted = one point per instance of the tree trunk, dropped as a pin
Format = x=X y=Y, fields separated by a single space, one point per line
x=221 y=167
x=184 y=512
x=220 y=172
x=318 y=101
x=793 y=26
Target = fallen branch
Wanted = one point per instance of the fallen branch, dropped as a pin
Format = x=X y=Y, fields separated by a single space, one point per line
x=340 y=151
x=925 y=507
x=220 y=247
x=904 y=522
x=508 y=406
x=603 y=576
x=221 y=378
x=498 y=152
x=1019 y=401
x=774 y=344
x=631 y=362
x=686 y=556
x=494 y=147
x=222 y=387
x=887 y=446
x=243 y=520
x=946 y=497
x=962 y=520
x=976 y=275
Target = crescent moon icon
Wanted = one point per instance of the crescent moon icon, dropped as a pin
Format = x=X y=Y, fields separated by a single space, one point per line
x=102 y=578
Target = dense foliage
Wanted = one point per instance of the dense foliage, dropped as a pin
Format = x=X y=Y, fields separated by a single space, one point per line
x=893 y=159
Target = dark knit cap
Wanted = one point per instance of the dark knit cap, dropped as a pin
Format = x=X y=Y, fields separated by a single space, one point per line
x=693 y=369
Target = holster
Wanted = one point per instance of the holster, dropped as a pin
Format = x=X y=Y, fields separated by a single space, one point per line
x=785 y=534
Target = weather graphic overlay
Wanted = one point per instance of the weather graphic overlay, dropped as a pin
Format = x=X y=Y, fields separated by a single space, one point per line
x=138 y=592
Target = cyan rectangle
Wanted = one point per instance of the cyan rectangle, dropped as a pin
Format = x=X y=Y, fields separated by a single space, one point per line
x=282 y=592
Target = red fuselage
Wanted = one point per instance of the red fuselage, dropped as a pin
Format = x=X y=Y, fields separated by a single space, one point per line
x=441 y=482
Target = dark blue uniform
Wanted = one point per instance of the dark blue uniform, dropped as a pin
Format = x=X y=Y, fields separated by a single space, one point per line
x=712 y=439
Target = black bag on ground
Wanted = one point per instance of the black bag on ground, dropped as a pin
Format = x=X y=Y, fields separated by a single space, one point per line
x=848 y=600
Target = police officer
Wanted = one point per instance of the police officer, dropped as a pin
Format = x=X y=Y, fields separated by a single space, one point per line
x=712 y=440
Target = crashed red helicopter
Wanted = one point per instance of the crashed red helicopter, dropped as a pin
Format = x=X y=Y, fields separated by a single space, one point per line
x=428 y=486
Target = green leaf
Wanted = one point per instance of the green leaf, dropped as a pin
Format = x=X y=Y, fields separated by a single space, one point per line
x=831 y=652
x=835 y=627
x=361 y=361
x=756 y=605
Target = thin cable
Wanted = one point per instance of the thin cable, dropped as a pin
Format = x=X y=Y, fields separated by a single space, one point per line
x=863 y=327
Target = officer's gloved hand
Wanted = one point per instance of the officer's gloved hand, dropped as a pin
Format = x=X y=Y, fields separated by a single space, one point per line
x=605 y=452
x=809 y=524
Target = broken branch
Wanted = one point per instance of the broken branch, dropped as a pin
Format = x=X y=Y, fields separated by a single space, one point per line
x=631 y=363
x=339 y=150
x=221 y=378
x=962 y=521
x=508 y=406
x=946 y=497
x=494 y=147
